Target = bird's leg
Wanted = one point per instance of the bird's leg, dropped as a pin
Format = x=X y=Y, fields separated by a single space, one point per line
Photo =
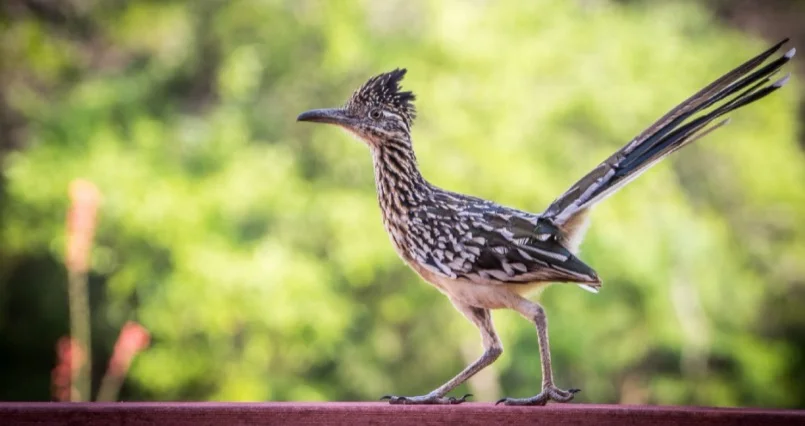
x=482 y=319
x=535 y=313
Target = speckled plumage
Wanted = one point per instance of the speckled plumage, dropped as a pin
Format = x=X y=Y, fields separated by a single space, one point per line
x=448 y=234
x=483 y=255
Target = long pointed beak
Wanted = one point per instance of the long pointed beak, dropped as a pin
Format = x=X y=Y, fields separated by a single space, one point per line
x=327 y=115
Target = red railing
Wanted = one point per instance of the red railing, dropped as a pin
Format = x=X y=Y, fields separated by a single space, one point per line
x=348 y=413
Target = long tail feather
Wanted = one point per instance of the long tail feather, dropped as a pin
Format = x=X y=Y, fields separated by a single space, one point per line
x=743 y=85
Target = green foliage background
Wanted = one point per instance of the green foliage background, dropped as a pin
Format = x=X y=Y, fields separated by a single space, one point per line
x=251 y=245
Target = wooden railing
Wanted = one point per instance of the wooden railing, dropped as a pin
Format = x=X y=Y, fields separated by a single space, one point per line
x=348 y=413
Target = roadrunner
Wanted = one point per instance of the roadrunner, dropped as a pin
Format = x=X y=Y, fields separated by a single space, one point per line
x=485 y=256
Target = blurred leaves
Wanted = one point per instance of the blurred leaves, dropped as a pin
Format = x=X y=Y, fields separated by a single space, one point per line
x=251 y=246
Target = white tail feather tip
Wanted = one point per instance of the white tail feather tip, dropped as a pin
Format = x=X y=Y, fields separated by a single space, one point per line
x=782 y=81
x=791 y=52
x=591 y=289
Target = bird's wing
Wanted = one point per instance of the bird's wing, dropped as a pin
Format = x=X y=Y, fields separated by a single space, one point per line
x=488 y=243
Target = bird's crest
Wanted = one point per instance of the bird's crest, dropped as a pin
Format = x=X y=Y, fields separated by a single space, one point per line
x=384 y=90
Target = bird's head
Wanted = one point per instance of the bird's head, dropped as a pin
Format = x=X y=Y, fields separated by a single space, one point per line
x=377 y=111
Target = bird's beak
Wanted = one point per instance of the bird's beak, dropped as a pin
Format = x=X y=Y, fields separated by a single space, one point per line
x=327 y=115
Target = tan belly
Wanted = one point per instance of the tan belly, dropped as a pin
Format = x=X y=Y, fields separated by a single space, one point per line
x=530 y=289
x=481 y=295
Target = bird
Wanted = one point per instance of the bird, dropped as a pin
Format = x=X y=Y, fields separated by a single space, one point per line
x=485 y=256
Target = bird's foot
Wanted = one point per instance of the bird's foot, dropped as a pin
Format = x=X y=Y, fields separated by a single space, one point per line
x=549 y=393
x=425 y=399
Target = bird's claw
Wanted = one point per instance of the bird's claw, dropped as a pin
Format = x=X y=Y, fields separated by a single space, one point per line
x=549 y=393
x=454 y=400
x=424 y=399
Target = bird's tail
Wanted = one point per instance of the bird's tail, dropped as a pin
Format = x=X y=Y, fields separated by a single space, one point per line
x=684 y=124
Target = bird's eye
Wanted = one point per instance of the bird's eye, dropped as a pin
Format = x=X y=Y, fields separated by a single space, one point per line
x=375 y=114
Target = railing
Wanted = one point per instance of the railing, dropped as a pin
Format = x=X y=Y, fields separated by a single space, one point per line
x=349 y=413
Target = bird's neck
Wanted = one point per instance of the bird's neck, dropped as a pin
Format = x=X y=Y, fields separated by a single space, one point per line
x=400 y=185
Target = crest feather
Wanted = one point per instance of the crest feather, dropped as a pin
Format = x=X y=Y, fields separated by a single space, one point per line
x=384 y=89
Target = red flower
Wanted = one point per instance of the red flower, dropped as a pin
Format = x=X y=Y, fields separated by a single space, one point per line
x=133 y=338
x=66 y=350
x=81 y=220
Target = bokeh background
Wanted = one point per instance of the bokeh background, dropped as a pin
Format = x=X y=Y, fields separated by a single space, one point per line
x=250 y=246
